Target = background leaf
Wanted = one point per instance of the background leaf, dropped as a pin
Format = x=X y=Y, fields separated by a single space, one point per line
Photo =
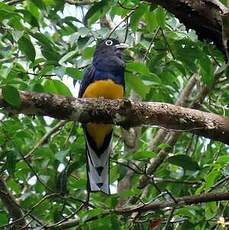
x=11 y=95
x=26 y=47
x=56 y=87
x=184 y=161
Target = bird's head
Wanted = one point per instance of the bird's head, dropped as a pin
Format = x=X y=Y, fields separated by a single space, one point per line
x=108 y=55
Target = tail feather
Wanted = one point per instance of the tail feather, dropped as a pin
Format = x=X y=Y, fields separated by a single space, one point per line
x=98 y=169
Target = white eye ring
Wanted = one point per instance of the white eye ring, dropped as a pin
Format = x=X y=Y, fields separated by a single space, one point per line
x=109 y=42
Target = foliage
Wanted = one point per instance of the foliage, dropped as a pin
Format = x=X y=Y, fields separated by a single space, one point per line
x=45 y=47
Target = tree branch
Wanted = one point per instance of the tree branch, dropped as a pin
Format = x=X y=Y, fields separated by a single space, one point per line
x=180 y=201
x=204 y=16
x=15 y=212
x=125 y=113
x=154 y=206
x=80 y=2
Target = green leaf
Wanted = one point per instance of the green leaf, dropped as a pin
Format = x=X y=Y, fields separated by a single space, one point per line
x=11 y=95
x=43 y=40
x=73 y=72
x=211 y=178
x=56 y=87
x=137 y=85
x=141 y=155
x=68 y=56
x=48 y=48
x=29 y=18
x=38 y=88
x=88 y=52
x=95 y=12
x=32 y=8
x=138 y=67
x=223 y=160
x=3 y=218
x=27 y=48
x=39 y=3
x=184 y=161
x=6 y=6
x=60 y=156
x=206 y=70
x=81 y=183
x=46 y=69
x=74 y=166
x=160 y=16
x=11 y=162
x=136 y=16
x=151 y=22
x=44 y=152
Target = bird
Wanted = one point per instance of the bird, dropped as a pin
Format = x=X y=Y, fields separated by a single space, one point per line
x=104 y=78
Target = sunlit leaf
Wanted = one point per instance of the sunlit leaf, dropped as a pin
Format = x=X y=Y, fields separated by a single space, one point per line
x=56 y=87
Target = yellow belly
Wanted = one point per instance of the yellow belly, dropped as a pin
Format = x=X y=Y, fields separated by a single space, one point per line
x=98 y=132
x=105 y=89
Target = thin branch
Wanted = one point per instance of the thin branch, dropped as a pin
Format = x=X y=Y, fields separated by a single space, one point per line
x=169 y=219
x=122 y=21
x=175 y=181
x=180 y=201
x=218 y=183
x=80 y=2
x=154 y=206
x=35 y=173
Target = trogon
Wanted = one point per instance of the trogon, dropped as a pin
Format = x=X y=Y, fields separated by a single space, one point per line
x=103 y=79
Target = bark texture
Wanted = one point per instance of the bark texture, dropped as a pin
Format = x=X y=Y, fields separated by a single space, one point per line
x=125 y=113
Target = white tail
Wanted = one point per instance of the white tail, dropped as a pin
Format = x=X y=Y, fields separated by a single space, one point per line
x=98 y=169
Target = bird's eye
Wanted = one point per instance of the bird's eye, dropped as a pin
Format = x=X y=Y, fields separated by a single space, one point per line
x=109 y=42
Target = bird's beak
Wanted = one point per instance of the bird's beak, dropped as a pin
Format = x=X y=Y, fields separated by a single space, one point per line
x=121 y=46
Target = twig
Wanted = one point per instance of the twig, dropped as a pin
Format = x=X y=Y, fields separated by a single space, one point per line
x=220 y=182
x=168 y=45
x=67 y=221
x=169 y=219
x=151 y=43
x=123 y=20
x=136 y=171
x=35 y=174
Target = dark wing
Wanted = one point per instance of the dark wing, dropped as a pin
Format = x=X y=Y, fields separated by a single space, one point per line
x=88 y=78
